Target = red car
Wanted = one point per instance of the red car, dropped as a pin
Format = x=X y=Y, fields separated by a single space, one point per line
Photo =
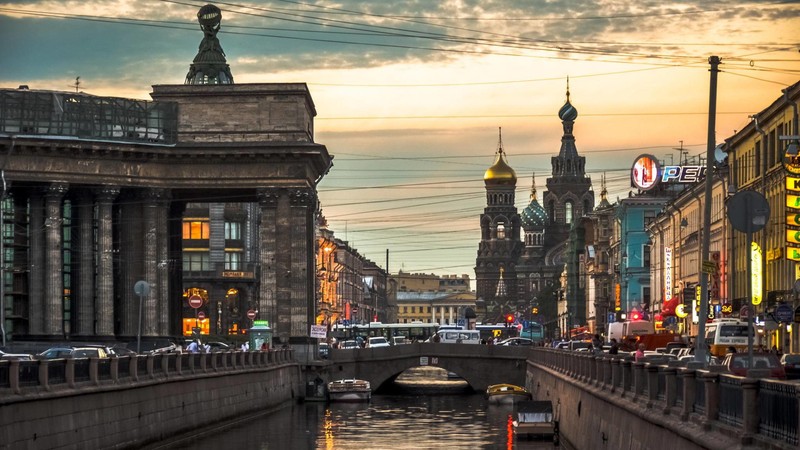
x=738 y=364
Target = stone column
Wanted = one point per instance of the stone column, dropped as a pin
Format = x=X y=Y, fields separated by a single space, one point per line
x=36 y=227
x=616 y=373
x=450 y=314
x=105 y=261
x=638 y=379
x=433 y=314
x=150 y=308
x=83 y=287
x=712 y=398
x=627 y=373
x=670 y=386
x=162 y=285
x=53 y=261
x=688 y=392
x=302 y=312
x=652 y=384
x=750 y=417
x=267 y=250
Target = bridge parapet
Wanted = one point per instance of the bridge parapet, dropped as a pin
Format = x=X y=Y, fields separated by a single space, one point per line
x=43 y=376
x=705 y=407
x=479 y=365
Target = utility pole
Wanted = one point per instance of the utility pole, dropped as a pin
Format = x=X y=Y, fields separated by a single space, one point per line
x=701 y=351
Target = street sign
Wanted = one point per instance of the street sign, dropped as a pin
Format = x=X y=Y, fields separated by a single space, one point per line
x=709 y=267
x=744 y=312
x=195 y=301
x=251 y=314
x=201 y=315
x=319 y=331
x=783 y=313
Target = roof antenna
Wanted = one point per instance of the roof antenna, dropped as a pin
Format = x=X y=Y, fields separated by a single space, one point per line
x=76 y=84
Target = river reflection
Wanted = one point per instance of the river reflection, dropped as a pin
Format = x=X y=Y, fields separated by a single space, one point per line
x=410 y=421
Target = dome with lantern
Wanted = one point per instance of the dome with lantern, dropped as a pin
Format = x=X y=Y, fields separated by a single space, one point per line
x=500 y=172
x=533 y=217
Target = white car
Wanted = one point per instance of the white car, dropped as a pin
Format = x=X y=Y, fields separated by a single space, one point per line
x=349 y=344
x=378 y=341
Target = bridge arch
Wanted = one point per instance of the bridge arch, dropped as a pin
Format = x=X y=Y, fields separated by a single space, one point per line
x=479 y=365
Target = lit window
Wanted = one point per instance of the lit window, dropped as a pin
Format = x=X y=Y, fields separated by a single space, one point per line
x=195 y=229
x=568 y=212
x=501 y=231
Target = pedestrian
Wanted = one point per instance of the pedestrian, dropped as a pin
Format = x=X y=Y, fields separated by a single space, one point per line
x=731 y=349
x=639 y=355
x=597 y=344
x=192 y=347
x=614 y=350
x=246 y=346
x=437 y=338
x=264 y=346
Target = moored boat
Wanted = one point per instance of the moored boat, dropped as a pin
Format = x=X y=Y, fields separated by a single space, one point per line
x=506 y=394
x=349 y=390
x=535 y=419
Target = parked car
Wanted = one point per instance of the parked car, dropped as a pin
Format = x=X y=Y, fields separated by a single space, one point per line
x=72 y=352
x=738 y=364
x=217 y=346
x=15 y=356
x=516 y=341
x=378 y=341
x=791 y=365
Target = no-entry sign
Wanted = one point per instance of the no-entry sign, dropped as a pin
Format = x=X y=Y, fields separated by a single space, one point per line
x=251 y=314
x=201 y=315
x=195 y=301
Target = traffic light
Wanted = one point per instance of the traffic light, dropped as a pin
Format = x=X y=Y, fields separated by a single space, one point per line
x=636 y=315
x=509 y=319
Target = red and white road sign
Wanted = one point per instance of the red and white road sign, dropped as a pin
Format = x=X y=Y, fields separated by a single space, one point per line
x=195 y=301
x=201 y=315
x=251 y=314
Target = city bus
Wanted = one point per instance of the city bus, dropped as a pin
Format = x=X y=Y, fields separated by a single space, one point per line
x=395 y=333
x=724 y=333
x=533 y=331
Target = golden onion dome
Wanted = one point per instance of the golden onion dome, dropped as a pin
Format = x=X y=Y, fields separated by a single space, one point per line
x=500 y=170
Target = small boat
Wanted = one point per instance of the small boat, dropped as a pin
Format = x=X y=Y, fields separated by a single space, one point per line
x=534 y=419
x=349 y=390
x=506 y=394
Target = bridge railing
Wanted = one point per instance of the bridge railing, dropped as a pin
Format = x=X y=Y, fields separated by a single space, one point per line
x=35 y=377
x=758 y=409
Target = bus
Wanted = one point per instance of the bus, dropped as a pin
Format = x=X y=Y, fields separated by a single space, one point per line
x=395 y=333
x=498 y=331
x=533 y=331
x=724 y=333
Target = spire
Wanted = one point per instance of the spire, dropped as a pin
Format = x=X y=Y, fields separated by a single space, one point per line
x=603 y=191
x=533 y=186
x=500 y=172
x=500 y=141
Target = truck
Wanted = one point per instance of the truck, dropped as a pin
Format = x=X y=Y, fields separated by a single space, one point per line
x=627 y=330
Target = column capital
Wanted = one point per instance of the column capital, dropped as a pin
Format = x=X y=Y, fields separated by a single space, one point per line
x=268 y=196
x=106 y=193
x=302 y=197
x=56 y=191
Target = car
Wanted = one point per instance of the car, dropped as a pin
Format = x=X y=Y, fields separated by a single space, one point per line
x=738 y=364
x=15 y=356
x=349 y=344
x=73 y=352
x=217 y=346
x=514 y=341
x=791 y=365
x=377 y=341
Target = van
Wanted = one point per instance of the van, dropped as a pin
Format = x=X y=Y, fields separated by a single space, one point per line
x=629 y=330
x=459 y=336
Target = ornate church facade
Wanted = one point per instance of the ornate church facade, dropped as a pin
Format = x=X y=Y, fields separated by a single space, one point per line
x=521 y=256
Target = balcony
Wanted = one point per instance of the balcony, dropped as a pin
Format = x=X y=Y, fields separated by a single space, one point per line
x=245 y=272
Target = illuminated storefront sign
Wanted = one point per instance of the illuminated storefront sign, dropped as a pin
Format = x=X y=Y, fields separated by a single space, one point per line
x=793 y=201
x=755 y=269
x=667 y=272
x=646 y=173
x=617 y=298
x=792 y=184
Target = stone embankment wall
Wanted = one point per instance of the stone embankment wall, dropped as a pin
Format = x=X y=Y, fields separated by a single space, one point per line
x=134 y=414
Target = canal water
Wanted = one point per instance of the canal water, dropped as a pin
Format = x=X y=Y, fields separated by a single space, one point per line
x=427 y=409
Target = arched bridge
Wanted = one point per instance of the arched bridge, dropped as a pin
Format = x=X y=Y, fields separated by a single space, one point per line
x=479 y=365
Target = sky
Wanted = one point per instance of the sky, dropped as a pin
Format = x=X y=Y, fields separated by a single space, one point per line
x=414 y=97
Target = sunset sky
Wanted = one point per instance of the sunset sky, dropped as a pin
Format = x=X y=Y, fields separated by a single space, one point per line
x=410 y=95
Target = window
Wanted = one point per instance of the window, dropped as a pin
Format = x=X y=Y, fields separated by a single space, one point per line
x=233 y=230
x=195 y=229
x=568 y=212
x=233 y=260
x=196 y=261
x=501 y=230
